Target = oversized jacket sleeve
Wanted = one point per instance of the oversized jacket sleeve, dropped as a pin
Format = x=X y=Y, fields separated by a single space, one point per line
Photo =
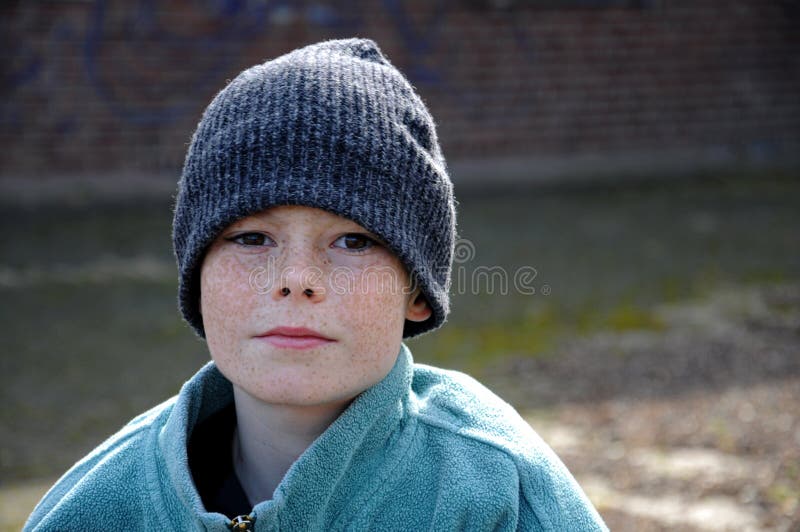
x=547 y=496
x=550 y=499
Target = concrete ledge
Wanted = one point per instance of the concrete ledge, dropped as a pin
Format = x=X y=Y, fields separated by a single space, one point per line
x=606 y=168
x=77 y=189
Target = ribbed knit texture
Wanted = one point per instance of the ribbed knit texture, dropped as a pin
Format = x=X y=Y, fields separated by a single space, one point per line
x=335 y=126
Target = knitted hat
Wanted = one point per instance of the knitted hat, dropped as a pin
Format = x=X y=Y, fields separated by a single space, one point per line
x=335 y=126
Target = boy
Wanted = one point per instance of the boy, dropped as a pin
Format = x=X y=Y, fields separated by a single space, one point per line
x=314 y=230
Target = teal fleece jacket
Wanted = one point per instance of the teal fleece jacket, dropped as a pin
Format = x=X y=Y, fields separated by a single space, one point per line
x=424 y=449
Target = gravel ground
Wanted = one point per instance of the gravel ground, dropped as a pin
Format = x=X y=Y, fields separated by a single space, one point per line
x=696 y=427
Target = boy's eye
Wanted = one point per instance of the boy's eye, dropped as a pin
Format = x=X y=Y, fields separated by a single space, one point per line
x=253 y=239
x=354 y=242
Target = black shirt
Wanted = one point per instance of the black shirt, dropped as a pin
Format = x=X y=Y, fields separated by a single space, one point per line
x=211 y=463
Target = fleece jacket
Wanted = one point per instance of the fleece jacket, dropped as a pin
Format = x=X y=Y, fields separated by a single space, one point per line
x=424 y=449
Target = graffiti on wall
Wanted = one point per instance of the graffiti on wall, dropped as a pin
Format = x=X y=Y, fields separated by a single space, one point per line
x=119 y=84
x=130 y=55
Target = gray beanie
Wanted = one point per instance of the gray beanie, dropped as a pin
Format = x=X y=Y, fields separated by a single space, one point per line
x=334 y=126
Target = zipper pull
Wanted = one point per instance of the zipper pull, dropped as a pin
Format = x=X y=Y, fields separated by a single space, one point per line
x=243 y=523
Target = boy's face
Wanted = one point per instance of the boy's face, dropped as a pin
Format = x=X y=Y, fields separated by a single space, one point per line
x=288 y=268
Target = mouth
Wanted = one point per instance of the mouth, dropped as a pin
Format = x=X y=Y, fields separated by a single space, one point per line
x=294 y=338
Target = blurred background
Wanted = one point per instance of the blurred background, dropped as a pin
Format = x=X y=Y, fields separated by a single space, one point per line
x=628 y=277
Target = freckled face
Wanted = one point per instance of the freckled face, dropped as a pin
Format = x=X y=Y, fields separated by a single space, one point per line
x=303 y=307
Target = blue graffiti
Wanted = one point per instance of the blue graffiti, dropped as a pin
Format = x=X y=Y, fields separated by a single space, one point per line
x=31 y=66
x=33 y=70
x=421 y=42
x=145 y=32
x=236 y=24
x=143 y=38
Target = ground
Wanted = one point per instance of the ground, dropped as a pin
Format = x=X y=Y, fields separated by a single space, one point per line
x=708 y=441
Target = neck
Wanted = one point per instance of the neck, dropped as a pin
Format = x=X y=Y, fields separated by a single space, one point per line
x=269 y=438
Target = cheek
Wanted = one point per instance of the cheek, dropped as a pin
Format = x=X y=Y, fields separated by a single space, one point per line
x=376 y=310
x=226 y=296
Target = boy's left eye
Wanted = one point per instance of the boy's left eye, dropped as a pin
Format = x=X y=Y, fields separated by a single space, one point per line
x=252 y=239
x=354 y=242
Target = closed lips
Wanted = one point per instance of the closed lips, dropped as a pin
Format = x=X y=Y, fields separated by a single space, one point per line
x=294 y=332
x=295 y=338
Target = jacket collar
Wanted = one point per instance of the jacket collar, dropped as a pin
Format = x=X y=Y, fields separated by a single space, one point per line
x=326 y=479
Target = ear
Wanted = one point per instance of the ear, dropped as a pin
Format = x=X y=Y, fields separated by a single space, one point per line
x=418 y=308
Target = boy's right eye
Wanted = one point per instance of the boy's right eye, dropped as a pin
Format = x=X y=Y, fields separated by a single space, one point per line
x=252 y=239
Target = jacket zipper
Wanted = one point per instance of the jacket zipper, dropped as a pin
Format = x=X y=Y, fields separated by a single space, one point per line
x=243 y=523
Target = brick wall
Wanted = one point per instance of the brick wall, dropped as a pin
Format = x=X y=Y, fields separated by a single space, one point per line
x=111 y=87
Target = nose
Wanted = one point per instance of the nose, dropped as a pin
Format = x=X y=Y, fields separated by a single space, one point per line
x=300 y=279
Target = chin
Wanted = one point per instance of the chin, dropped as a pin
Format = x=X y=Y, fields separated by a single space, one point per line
x=301 y=398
